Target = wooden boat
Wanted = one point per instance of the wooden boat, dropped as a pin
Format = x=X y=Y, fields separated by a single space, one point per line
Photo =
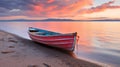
x=54 y=39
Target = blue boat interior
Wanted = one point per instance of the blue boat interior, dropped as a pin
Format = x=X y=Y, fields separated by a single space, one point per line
x=42 y=32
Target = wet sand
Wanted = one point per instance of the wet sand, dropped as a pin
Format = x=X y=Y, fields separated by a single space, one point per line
x=19 y=52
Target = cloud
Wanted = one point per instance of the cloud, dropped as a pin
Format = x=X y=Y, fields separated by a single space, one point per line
x=45 y=8
x=50 y=8
x=100 y=8
x=50 y=1
x=15 y=4
x=14 y=7
x=3 y=10
x=59 y=8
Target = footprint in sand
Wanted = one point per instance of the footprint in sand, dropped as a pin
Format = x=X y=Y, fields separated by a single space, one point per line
x=12 y=40
x=11 y=46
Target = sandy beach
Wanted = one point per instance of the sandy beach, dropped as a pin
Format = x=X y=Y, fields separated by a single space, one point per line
x=19 y=52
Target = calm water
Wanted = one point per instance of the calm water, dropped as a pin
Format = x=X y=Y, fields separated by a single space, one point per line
x=98 y=42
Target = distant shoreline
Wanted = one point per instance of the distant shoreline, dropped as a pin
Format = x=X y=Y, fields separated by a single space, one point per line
x=50 y=20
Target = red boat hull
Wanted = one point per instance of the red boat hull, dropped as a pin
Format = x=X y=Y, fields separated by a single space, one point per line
x=63 y=41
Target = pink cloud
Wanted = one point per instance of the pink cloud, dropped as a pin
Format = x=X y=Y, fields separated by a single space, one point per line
x=100 y=8
x=50 y=1
x=66 y=8
x=59 y=8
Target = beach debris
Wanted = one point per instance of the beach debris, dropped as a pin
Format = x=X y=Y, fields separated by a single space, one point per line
x=32 y=65
x=46 y=65
x=12 y=40
x=7 y=51
x=11 y=46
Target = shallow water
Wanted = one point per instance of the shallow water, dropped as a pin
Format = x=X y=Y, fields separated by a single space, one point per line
x=98 y=42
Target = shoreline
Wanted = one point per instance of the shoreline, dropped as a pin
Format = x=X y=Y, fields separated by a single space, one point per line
x=16 y=51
